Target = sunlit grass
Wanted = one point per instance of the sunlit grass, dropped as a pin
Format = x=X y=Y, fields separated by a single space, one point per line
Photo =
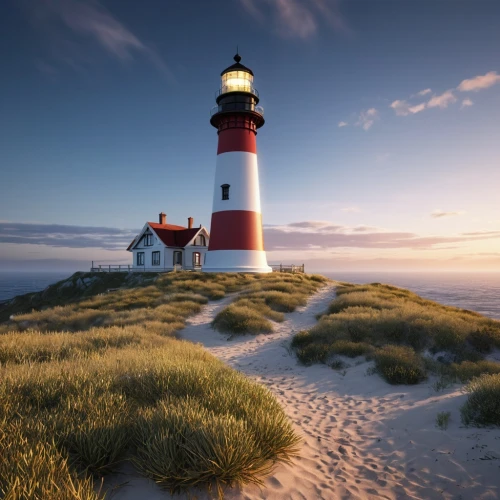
x=266 y=300
x=398 y=329
x=90 y=385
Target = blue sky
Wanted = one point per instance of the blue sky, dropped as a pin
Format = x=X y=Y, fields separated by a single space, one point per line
x=380 y=149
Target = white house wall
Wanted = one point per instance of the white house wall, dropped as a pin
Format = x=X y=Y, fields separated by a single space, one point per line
x=167 y=253
x=148 y=254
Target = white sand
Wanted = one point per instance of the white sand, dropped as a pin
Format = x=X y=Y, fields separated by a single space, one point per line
x=363 y=438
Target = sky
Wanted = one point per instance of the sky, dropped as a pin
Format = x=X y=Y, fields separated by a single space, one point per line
x=381 y=148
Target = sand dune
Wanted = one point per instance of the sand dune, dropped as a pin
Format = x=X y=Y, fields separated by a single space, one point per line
x=362 y=437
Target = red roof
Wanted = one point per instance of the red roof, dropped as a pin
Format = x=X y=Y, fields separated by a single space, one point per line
x=174 y=236
x=171 y=235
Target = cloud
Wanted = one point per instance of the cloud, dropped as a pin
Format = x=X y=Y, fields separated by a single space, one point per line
x=404 y=108
x=293 y=237
x=367 y=118
x=351 y=209
x=297 y=18
x=437 y=214
x=466 y=103
x=442 y=101
x=479 y=82
x=343 y=124
x=309 y=224
x=483 y=233
x=69 y=21
x=424 y=92
x=56 y=235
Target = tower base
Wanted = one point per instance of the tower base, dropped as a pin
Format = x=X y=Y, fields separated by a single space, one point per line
x=236 y=261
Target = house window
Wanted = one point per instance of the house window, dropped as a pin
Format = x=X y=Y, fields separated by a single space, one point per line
x=177 y=258
x=196 y=259
x=200 y=241
x=155 y=258
x=140 y=258
x=148 y=240
x=225 y=191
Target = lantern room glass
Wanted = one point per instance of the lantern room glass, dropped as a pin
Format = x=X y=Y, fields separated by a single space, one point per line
x=235 y=81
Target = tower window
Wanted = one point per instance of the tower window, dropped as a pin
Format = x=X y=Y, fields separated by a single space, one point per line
x=225 y=191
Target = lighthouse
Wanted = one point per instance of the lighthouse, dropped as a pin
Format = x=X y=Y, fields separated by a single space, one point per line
x=236 y=239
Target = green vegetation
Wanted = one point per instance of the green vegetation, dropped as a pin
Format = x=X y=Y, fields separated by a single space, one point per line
x=398 y=329
x=90 y=384
x=267 y=298
x=399 y=365
x=443 y=420
x=483 y=404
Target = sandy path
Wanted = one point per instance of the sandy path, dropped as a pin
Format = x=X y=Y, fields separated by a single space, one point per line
x=362 y=437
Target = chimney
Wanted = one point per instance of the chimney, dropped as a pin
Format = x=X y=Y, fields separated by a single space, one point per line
x=190 y=222
x=163 y=218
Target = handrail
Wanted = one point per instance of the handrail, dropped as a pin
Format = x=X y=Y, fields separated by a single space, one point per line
x=236 y=88
x=242 y=106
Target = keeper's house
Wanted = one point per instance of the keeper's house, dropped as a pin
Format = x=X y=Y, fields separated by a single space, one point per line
x=163 y=247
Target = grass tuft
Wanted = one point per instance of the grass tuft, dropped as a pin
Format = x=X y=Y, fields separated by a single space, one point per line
x=443 y=420
x=267 y=298
x=482 y=407
x=399 y=365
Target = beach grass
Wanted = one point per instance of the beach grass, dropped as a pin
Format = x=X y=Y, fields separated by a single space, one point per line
x=79 y=399
x=402 y=333
x=482 y=407
x=266 y=300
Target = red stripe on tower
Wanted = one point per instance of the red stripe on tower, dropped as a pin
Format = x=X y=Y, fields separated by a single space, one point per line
x=236 y=240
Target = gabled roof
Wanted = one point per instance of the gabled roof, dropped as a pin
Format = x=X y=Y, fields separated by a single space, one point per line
x=178 y=237
x=170 y=234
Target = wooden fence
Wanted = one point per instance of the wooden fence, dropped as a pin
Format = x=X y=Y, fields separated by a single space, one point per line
x=128 y=268
x=288 y=268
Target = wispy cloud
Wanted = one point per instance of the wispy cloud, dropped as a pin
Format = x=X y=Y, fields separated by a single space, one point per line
x=404 y=108
x=437 y=214
x=351 y=209
x=442 y=101
x=466 y=103
x=367 y=118
x=56 y=235
x=343 y=124
x=479 y=82
x=297 y=18
x=89 y=19
x=301 y=236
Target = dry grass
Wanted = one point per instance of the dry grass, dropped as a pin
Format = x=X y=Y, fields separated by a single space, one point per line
x=77 y=400
x=132 y=404
x=267 y=298
x=482 y=407
x=363 y=319
x=168 y=298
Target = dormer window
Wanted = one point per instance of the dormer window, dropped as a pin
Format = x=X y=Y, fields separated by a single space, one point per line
x=148 y=240
x=225 y=191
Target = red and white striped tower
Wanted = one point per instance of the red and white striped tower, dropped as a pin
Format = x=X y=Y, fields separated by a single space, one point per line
x=236 y=241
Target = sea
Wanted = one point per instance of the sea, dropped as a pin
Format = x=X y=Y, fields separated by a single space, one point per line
x=474 y=291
